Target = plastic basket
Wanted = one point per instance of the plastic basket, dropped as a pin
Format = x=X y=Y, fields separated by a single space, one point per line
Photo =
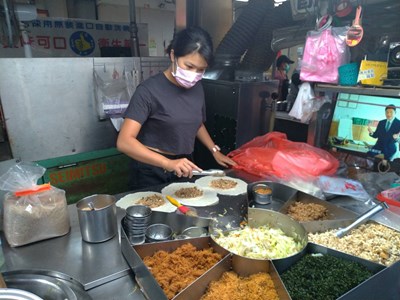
x=348 y=74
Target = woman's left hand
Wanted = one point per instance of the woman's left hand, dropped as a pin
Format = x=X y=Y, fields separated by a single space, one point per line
x=223 y=160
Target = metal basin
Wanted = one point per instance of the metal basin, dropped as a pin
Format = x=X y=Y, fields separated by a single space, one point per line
x=46 y=284
x=258 y=217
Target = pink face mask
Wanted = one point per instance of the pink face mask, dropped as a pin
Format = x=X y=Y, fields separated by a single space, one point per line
x=186 y=78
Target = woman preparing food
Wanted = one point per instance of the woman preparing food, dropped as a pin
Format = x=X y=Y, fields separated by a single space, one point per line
x=167 y=113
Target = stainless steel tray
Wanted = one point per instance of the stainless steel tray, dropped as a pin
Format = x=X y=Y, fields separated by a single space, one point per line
x=135 y=254
x=241 y=266
x=334 y=212
x=283 y=265
x=280 y=194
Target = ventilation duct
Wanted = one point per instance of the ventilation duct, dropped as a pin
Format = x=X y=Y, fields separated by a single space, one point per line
x=247 y=44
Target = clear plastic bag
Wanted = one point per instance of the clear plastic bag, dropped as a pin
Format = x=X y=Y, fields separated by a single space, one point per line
x=334 y=186
x=113 y=92
x=32 y=212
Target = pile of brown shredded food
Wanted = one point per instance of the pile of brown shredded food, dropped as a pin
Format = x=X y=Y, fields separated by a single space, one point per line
x=191 y=192
x=223 y=184
x=370 y=241
x=176 y=270
x=232 y=287
x=307 y=211
x=152 y=201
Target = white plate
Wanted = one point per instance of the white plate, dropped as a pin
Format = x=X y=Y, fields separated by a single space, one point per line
x=240 y=188
x=209 y=197
x=132 y=199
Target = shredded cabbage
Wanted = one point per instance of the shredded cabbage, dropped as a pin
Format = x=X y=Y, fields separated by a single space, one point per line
x=262 y=242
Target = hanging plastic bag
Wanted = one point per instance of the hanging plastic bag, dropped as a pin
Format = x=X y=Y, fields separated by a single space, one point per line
x=306 y=103
x=273 y=155
x=113 y=92
x=32 y=212
x=325 y=51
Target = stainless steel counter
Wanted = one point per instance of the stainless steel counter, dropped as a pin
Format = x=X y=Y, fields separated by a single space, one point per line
x=101 y=268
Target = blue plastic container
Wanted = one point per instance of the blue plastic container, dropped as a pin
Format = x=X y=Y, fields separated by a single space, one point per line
x=348 y=74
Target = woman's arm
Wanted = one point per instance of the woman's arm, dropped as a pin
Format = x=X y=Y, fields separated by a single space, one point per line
x=220 y=158
x=128 y=143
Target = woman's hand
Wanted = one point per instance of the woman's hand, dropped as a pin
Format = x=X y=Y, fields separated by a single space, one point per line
x=182 y=167
x=223 y=160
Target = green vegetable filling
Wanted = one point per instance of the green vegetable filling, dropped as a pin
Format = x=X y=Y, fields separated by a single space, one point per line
x=323 y=277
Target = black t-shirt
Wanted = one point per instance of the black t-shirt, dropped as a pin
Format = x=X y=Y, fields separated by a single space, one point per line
x=170 y=115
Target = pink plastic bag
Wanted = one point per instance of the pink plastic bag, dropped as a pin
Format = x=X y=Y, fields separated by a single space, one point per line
x=325 y=51
x=273 y=155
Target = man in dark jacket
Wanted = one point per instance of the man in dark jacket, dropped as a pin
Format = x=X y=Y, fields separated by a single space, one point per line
x=387 y=132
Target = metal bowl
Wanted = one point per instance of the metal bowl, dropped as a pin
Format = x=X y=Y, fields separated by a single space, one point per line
x=194 y=232
x=138 y=211
x=259 y=217
x=262 y=193
x=158 y=233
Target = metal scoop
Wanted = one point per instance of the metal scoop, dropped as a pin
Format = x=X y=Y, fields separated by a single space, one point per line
x=355 y=32
x=364 y=217
x=211 y=172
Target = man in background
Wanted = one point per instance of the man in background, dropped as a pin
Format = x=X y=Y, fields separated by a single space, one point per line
x=387 y=132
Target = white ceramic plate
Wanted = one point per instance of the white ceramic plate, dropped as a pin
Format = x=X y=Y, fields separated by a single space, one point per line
x=209 y=197
x=132 y=199
x=240 y=188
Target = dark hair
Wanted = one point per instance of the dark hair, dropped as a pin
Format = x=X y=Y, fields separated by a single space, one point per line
x=283 y=59
x=390 y=106
x=192 y=40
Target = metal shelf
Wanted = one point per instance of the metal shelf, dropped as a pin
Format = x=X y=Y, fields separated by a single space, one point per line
x=359 y=90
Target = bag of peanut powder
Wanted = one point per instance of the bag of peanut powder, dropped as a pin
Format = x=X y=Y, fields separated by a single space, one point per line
x=32 y=212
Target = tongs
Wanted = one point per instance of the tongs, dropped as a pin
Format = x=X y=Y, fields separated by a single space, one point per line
x=211 y=172
x=377 y=208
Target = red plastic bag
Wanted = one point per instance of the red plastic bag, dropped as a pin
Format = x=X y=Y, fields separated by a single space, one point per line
x=274 y=155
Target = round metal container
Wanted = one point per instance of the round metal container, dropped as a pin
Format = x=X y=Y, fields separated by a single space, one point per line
x=158 y=233
x=194 y=232
x=100 y=224
x=45 y=284
x=262 y=193
x=138 y=212
x=258 y=217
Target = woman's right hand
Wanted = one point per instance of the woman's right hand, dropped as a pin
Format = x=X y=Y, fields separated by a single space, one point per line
x=370 y=130
x=182 y=167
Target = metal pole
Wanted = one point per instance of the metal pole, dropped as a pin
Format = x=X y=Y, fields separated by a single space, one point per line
x=133 y=29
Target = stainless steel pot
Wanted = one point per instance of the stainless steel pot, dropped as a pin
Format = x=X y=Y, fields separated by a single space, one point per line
x=97 y=216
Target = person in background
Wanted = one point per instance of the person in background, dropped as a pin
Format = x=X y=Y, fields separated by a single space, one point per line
x=387 y=133
x=167 y=112
x=294 y=89
x=282 y=68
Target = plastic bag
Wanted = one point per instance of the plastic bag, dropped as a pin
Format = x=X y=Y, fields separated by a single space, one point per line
x=306 y=103
x=113 y=92
x=32 y=212
x=343 y=187
x=325 y=51
x=272 y=155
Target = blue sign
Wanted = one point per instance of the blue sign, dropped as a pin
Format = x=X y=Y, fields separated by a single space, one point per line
x=82 y=43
